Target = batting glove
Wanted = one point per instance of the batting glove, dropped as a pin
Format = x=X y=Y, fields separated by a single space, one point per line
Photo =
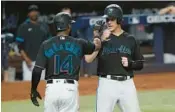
x=34 y=94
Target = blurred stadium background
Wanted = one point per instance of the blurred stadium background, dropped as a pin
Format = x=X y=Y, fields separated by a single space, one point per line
x=154 y=31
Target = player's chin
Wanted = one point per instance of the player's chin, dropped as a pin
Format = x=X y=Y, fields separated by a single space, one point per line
x=34 y=18
x=111 y=29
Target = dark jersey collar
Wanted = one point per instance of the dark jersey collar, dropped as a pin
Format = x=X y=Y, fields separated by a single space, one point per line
x=121 y=35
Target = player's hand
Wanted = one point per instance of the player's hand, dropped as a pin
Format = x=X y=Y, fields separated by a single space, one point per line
x=105 y=35
x=125 y=61
x=96 y=34
x=97 y=43
x=34 y=94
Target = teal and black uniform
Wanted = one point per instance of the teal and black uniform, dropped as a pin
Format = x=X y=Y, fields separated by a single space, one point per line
x=61 y=56
x=109 y=57
x=30 y=36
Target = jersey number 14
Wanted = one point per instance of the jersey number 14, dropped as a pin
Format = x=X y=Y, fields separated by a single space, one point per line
x=63 y=66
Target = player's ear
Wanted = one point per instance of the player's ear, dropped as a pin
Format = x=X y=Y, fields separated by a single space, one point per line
x=69 y=28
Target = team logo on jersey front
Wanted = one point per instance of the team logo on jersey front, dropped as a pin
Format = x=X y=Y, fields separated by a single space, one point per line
x=114 y=49
x=29 y=29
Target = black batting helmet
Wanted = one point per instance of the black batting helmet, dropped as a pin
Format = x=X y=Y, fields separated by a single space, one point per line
x=62 y=20
x=114 y=11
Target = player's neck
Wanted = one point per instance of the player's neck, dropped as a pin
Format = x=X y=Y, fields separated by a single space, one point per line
x=34 y=22
x=118 y=31
x=62 y=34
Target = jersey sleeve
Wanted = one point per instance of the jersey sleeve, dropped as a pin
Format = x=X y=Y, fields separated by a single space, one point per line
x=136 y=53
x=88 y=47
x=20 y=34
x=41 y=58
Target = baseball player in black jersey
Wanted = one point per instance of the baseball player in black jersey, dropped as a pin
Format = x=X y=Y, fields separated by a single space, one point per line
x=118 y=57
x=61 y=56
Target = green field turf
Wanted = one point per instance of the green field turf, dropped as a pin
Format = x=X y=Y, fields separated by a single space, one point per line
x=150 y=101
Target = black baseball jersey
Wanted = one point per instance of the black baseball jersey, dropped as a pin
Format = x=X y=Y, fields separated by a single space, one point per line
x=109 y=57
x=61 y=56
x=31 y=36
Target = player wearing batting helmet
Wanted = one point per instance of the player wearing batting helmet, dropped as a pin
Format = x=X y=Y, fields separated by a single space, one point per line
x=61 y=56
x=117 y=58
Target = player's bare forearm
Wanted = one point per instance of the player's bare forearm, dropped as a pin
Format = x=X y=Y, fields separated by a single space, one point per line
x=90 y=58
x=164 y=10
x=170 y=10
x=97 y=43
x=24 y=56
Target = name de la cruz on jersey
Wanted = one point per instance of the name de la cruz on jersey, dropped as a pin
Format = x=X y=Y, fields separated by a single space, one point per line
x=113 y=49
x=67 y=46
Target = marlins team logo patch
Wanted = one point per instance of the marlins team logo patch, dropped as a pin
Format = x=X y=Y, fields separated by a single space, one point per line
x=29 y=29
x=62 y=38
